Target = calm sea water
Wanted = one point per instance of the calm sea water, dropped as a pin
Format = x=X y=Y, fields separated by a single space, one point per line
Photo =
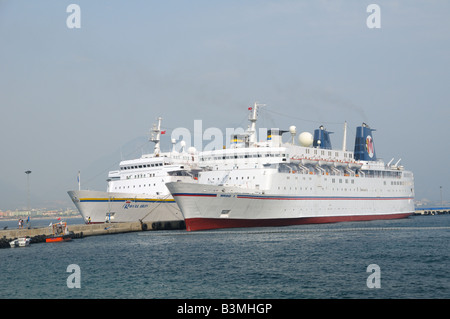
x=310 y=261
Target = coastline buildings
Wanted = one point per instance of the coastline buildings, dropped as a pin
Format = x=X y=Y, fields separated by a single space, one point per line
x=38 y=213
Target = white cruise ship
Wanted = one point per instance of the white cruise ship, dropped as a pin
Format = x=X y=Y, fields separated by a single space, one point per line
x=137 y=191
x=255 y=184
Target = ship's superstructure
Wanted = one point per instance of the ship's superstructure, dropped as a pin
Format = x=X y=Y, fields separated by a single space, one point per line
x=137 y=191
x=272 y=183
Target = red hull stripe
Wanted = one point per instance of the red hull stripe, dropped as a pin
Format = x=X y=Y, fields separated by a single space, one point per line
x=193 y=224
x=320 y=198
x=293 y=197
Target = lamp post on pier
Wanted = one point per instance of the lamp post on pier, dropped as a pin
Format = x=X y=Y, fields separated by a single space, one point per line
x=28 y=193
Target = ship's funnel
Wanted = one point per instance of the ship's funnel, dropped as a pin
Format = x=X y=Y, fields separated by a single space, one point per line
x=364 y=146
x=322 y=138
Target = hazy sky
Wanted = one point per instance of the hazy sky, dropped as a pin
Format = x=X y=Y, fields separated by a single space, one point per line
x=80 y=99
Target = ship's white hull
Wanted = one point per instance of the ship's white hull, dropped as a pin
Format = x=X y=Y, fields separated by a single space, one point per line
x=102 y=207
x=211 y=207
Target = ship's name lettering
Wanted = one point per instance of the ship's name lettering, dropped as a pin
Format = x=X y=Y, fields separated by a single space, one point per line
x=126 y=206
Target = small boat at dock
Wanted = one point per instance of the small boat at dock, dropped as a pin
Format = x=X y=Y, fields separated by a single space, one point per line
x=24 y=241
x=54 y=239
x=60 y=233
x=20 y=242
x=14 y=243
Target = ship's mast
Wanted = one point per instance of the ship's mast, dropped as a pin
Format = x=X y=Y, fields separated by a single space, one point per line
x=155 y=138
x=344 y=142
x=252 y=127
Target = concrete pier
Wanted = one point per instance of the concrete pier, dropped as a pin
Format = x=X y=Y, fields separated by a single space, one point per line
x=79 y=231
